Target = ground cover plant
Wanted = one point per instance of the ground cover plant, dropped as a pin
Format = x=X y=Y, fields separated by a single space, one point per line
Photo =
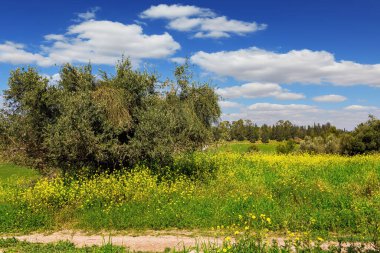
x=12 y=245
x=329 y=195
x=10 y=173
x=244 y=147
x=242 y=244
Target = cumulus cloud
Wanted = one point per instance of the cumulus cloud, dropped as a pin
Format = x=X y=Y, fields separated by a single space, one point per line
x=204 y=22
x=104 y=41
x=330 y=98
x=296 y=66
x=100 y=42
x=360 y=108
x=178 y=60
x=229 y=104
x=268 y=107
x=90 y=14
x=257 y=90
x=175 y=11
x=15 y=53
x=301 y=114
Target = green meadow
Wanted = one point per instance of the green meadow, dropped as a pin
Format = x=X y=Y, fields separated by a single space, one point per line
x=327 y=196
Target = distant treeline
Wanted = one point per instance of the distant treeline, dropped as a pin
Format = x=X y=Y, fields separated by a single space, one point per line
x=317 y=138
x=283 y=130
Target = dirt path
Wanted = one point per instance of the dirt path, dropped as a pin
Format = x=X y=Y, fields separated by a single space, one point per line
x=154 y=242
x=150 y=243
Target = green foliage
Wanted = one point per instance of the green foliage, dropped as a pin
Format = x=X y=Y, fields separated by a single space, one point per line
x=286 y=148
x=320 y=145
x=238 y=131
x=283 y=130
x=109 y=123
x=364 y=139
x=253 y=149
x=221 y=132
x=265 y=134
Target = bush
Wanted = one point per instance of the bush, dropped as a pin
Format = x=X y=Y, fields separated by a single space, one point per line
x=319 y=145
x=364 y=139
x=253 y=149
x=286 y=148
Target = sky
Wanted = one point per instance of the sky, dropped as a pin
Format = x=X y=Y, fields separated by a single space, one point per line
x=304 y=61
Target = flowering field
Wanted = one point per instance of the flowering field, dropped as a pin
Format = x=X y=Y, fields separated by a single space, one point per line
x=325 y=195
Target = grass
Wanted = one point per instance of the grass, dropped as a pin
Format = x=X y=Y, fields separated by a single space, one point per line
x=324 y=196
x=241 y=147
x=268 y=148
x=327 y=195
x=10 y=173
x=13 y=245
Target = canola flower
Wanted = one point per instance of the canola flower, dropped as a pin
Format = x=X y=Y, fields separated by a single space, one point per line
x=246 y=191
x=140 y=183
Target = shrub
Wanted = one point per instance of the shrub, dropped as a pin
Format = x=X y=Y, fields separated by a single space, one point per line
x=286 y=148
x=364 y=139
x=319 y=145
x=253 y=149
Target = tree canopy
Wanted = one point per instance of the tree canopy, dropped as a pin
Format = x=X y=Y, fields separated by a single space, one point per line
x=106 y=122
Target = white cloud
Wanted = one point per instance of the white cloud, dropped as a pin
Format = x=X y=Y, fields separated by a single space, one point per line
x=229 y=104
x=289 y=96
x=104 y=41
x=204 y=22
x=15 y=53
x=184 y=24
x=90 y=14
x=50 y=37
x=1 y=100
x=257 y=90
x=301 y=114
x=212 y=34
x=53 y=79
x=360 y=108
x=101 y=42
x=175 y=11
x=330 y=98
x=178 y=60
x=139 y=22
x=268 y=107
x=296 y=66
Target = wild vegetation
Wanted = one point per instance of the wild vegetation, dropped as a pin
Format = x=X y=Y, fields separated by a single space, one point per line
x=245 y=243
x=107 y=122
x=327 y=194
x=12 y=245
x=127 y=152
x=283 y=130
x=316 y=139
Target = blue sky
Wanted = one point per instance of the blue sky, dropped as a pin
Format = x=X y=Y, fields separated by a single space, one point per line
x=306 y=61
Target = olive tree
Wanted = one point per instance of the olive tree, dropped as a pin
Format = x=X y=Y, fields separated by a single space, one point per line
x=108 y=122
